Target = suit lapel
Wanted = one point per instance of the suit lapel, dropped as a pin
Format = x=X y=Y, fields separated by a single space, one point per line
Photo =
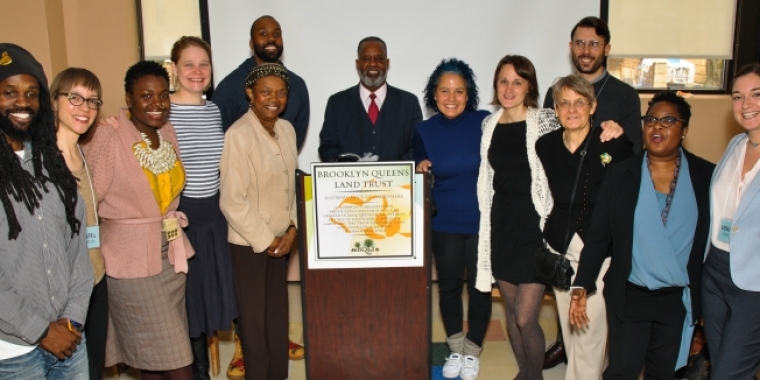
x=746 y=200
x=630 y=197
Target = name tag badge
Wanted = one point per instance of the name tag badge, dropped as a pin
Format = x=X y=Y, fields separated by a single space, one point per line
x=93 y=237
x=724 y=234
x=171 y=228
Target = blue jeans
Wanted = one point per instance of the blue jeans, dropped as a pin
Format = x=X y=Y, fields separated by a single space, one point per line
x=40 y=364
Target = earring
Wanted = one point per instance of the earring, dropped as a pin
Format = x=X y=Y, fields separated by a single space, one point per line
x=682 y=137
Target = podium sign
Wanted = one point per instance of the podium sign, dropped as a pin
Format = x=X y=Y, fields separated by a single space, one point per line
x=365 y=271
x=365 y=216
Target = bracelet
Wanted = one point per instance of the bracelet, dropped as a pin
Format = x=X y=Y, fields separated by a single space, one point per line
x=76 y=325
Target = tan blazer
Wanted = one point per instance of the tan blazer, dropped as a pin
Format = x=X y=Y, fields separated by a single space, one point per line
x=258 y=184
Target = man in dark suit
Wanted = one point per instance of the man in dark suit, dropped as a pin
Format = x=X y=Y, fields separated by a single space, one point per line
x=372 y=120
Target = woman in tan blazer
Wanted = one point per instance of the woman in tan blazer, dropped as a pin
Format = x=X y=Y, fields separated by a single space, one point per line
x=258 y=199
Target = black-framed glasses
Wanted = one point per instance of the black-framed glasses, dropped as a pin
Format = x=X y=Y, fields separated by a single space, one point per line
x=78 y=100
x=665 y=121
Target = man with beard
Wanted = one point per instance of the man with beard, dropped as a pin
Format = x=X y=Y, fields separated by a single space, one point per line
x=372 y=120
x=229 y=95
x=619 y=103
x=46 y=274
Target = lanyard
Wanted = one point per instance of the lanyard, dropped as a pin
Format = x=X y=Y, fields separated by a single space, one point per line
x=92 y=189
x=672 y=192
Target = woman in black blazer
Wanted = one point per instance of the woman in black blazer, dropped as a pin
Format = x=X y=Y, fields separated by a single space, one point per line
x=653 y=219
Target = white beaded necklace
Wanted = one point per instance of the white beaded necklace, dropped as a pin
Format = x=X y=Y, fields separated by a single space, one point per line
x=158 y=160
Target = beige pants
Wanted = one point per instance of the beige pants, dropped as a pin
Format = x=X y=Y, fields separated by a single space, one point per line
x=586 y=348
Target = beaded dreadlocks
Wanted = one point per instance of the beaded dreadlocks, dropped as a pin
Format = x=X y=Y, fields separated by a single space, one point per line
x=25 y=186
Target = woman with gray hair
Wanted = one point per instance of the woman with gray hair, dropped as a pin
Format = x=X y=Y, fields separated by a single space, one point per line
x=574 y=184
x=258 y=162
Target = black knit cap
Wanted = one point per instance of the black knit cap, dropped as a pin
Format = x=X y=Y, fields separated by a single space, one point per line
x=15 y=60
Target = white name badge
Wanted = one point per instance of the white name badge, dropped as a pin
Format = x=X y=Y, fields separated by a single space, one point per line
x=724 y=234
x=93 y=237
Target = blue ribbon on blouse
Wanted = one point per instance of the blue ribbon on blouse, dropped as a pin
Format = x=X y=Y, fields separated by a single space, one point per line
x=657 y=264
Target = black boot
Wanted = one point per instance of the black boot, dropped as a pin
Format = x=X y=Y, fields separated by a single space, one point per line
x=554 y=355
x=199 y=346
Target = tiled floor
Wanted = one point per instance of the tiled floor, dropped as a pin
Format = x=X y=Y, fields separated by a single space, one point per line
x=496 y=362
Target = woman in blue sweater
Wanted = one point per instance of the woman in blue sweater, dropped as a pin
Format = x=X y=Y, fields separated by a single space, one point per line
x=449 y=144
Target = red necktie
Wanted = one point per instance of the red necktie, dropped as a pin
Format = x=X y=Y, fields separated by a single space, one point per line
x=373 y=110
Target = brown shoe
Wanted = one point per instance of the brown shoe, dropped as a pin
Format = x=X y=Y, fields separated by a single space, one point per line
x=236 y=369
x=295 y=351
x=555 y=355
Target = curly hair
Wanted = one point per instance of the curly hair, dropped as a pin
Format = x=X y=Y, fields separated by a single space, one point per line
x=141 y=69
x=683 y=108
x=25 y=186
x=454 y=66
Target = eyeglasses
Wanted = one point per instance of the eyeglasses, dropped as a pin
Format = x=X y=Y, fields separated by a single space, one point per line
x=78 y=100
x=666 y=121
x=593 y=45
x=578 y=104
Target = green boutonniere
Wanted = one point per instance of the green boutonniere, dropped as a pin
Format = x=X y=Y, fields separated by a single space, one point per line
x=605 y=158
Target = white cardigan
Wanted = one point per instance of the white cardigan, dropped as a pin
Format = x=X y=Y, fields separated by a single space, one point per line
x=539 y=122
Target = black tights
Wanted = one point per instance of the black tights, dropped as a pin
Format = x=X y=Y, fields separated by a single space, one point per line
x=523 y=302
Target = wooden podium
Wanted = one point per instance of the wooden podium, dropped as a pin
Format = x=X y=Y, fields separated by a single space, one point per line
x=367 y=323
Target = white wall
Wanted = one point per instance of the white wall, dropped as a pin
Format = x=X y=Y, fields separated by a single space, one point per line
x=320 y=40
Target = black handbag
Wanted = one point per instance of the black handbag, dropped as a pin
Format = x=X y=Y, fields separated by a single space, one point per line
x=554 y=269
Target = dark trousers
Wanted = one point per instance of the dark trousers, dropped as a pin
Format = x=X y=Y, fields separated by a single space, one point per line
x=649 y=335
x=456 y=258
x=96 y=328
x=261 y=287
x=732 y=321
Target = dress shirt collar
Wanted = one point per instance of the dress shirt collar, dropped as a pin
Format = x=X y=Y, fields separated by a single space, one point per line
x=380 y=93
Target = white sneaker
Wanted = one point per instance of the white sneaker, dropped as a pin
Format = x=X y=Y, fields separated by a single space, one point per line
x=453 y=366
x=470 y=368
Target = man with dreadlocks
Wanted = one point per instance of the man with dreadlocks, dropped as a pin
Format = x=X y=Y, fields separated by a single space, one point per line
x=45 y=270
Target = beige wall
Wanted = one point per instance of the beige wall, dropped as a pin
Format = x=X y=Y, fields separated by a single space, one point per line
x=98 y=35
x=711 y=127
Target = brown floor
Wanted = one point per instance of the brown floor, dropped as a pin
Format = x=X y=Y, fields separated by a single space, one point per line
x=496 y=362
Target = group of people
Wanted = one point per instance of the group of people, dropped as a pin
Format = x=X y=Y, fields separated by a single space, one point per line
x=568 y=177
x=177 y=217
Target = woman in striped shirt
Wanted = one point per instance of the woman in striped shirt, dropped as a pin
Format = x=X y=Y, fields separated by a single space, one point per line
x=210 y=296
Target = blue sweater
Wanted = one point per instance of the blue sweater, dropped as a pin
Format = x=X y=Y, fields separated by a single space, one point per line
x=453 y=147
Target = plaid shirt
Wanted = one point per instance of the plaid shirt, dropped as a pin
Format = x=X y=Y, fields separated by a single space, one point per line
x=45 y=273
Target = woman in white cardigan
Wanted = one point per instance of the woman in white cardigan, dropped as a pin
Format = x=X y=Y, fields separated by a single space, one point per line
x=514 y=202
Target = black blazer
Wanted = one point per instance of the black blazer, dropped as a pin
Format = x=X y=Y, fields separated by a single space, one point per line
x=347 y=128
x=611 y=231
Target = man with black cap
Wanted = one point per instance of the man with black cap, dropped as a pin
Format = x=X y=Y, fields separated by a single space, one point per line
x=46 y=274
